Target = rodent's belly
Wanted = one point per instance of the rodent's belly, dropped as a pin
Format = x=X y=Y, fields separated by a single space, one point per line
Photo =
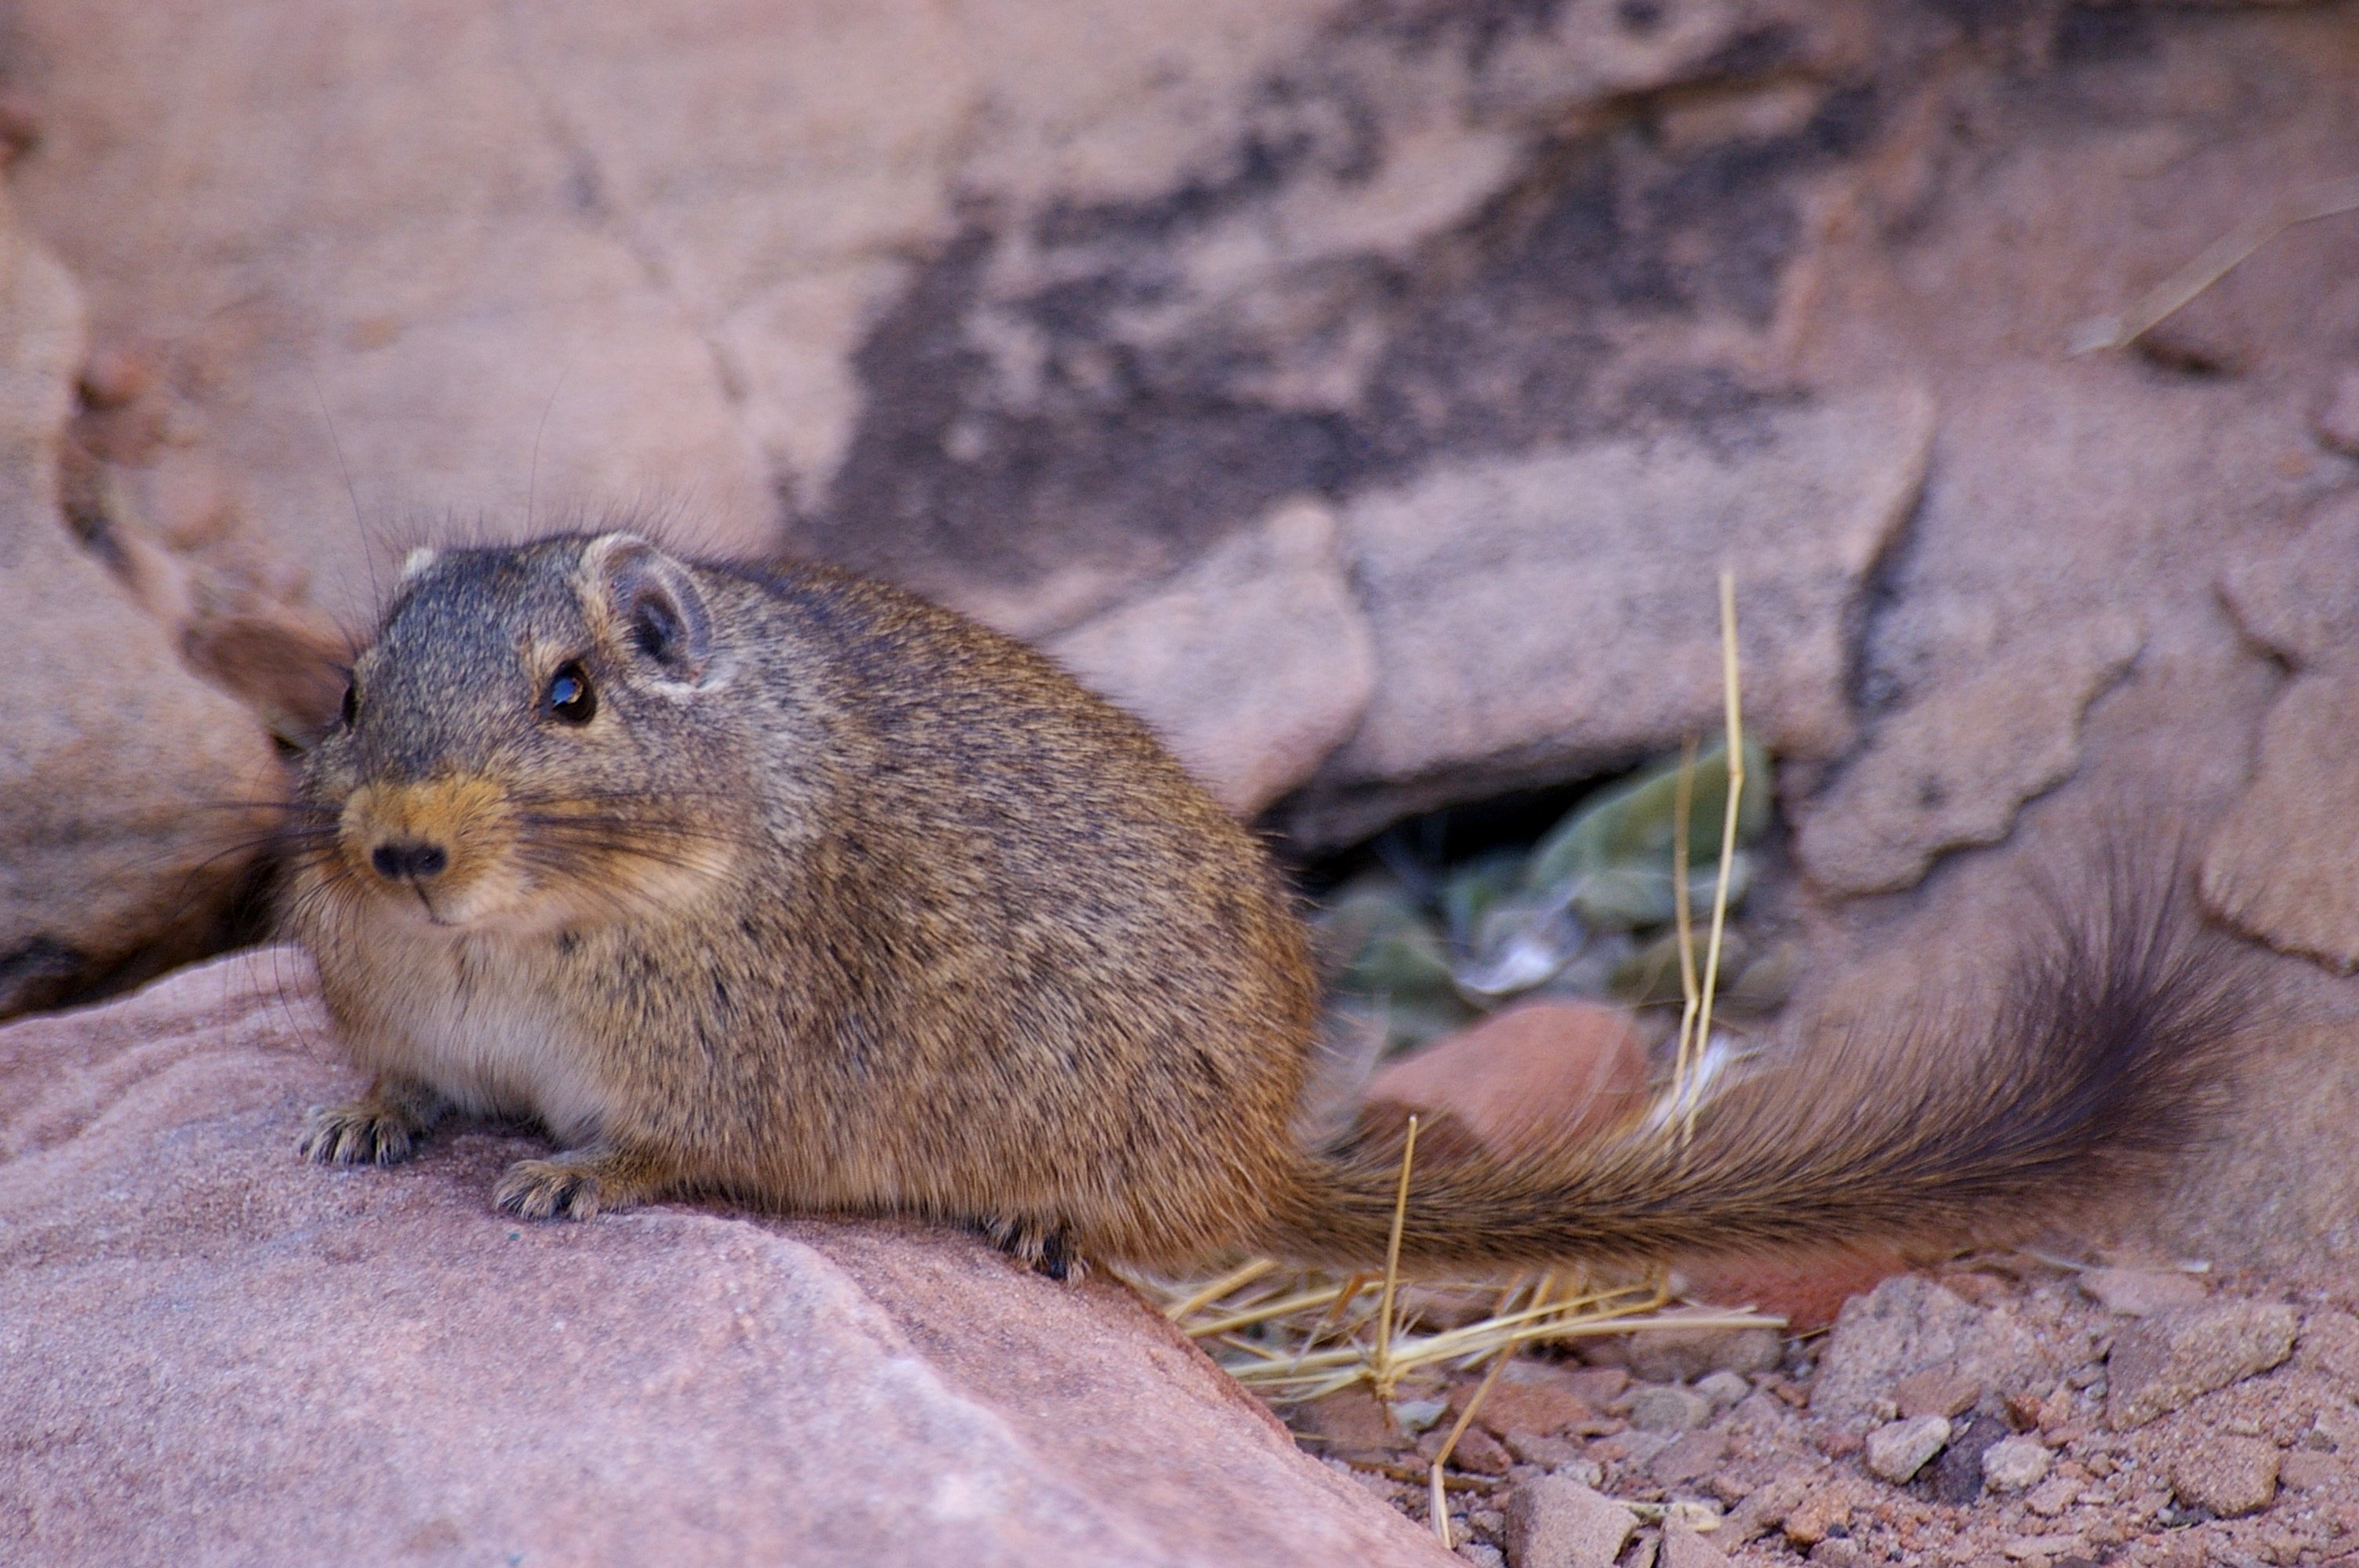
x=498 y=1056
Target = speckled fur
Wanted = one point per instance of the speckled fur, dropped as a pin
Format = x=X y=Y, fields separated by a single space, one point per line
x=843 y=903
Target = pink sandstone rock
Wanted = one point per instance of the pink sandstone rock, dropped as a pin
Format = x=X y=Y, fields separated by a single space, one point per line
x=212 y=1352
x=1527 y=1076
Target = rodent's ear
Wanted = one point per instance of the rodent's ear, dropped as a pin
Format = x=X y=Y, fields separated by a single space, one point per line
x=656 y=600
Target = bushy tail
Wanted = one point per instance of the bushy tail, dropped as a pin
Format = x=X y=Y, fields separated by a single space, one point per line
x=2105 y=1055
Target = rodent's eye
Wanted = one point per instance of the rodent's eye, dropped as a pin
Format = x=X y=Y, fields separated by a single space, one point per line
x=351 y=710
x=570 y=697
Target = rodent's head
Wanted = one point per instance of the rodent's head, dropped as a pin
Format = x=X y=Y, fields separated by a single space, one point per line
x=531 y=739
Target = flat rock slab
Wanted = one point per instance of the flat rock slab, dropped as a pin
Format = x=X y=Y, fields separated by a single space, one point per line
x=1544 y=616
x=210 y=1351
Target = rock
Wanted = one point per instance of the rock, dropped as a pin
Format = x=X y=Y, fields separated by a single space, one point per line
x=1724 y=1388
x=1957 y=1474
x=1654 y=1408
x=1699 y=1353
x=1898 y=1450
x=2337 y=424
x=2300 y=1470
x=1937 y=1390
x=1556 y=1522
x=2158 y=1364
x=2305 y=901
x=1476 y=1451
x=2053 y=1495
x=1526 y=1075
x=1352 y=1424
x=215 y=1350
x=1549 y=1454
x=1675 y=1354
x=1916 y=792
x=1684 y=1547
x=1906 y=1325
x=2298 y=595
x=1837 y=1552
x=1808 y=1522
x=1765 y=1506
x=1253 y=664
x=2330 y=1345
x=1689 y=1457
x=2228 y=1475
x=1541 y=1409
x=1808 y=1293
x=1542 y=617
x=2015 y=1463
x=1600 y=1385
x=127 y=784
x=2298 y=600
x=2142 y=1293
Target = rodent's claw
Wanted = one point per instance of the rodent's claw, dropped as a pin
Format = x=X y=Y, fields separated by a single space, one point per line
x=548 y=1189
x=1047 y=1246
x=363 y=1133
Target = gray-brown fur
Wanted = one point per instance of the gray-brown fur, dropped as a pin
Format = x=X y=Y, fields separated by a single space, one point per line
x=839 y=901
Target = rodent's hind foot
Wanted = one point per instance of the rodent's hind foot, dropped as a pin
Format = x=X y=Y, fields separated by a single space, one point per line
x=1046 y=1245
x=580 y=1184
x=372 y=1132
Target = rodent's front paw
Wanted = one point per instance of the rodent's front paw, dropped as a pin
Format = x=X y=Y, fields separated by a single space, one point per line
x=363 y=1133
x=548 y=1189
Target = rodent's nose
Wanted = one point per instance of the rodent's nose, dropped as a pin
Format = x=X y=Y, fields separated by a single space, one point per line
x=408 y=860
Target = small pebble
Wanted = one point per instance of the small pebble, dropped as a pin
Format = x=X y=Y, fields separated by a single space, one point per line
x=1687 y=1456
x=1657 y=1408
x=1898 y=1450
x=1936 y=1391
x=2142 y=1293
x=2306 y=1470
x=1818 y=1514
x=2015 y=1463
x=2227 y=1475
x=2161 y=1363
x=2053 y=1495
x=1416 y=1415
x=1724 y=1388
x=1683 y=1548
x=1548 y=1453
x=1556 y=1522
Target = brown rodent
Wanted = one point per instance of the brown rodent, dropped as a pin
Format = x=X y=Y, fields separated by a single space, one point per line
x=787 y=887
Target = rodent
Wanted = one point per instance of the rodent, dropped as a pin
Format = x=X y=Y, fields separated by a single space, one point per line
x=783 y=886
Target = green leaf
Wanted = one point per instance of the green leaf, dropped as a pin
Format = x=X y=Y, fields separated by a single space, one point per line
x=1633 y=822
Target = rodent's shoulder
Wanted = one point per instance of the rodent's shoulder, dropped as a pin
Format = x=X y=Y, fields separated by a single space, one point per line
x=931 y=676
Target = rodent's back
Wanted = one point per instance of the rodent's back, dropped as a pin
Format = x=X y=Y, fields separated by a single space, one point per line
x=1092 y=978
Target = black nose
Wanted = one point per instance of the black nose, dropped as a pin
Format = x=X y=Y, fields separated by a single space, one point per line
x=407 y=859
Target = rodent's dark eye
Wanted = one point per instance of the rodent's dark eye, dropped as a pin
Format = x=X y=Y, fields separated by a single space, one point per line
x=352 y=709
x=570 y=697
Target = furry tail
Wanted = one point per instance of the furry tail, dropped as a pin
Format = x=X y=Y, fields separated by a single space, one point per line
x=2105 y=1055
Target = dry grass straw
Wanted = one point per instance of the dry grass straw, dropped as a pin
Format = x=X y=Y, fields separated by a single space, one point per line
x=1695 y=1013
x=1295 y=1334
x=2325 y=198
